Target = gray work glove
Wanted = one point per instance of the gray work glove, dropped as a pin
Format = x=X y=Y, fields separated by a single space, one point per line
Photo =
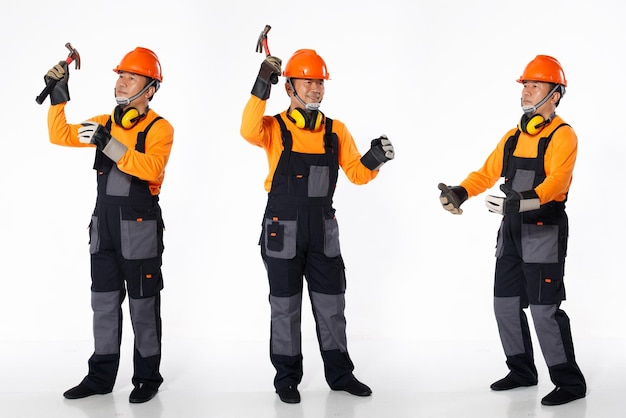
x=514 y=202
x=452 y=197
x=60 y=75
x=381 y=151
x=94 y=133
x=268 y=75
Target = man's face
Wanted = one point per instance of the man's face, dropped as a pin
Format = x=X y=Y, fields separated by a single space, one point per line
x=533 y=92
x=129 y=84
x=309 y=90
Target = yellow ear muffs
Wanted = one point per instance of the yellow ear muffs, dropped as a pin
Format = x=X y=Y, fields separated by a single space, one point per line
x=298 y=117
x=303 y=120
x=532 y=124
x=126 y=118
x=316 y=120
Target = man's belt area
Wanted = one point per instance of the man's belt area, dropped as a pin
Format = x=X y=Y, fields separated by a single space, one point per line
x=295 y=201
x=137 y=201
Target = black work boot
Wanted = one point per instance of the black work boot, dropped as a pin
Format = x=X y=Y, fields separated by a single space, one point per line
x=560 y=396
x=289 y=394
x=354 y=387
x=142 y=393
x=82 y=391
x=509 y=382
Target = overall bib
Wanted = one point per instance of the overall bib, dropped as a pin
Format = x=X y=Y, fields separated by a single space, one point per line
x=300 y=238
x=126 y=245
x=530 y=253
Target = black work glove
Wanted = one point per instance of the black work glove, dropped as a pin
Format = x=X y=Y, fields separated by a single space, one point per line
x=94 y=133
x=268 y=73
x=514 y=202
x=60 y=75
x=452 y=197
x=381 y=151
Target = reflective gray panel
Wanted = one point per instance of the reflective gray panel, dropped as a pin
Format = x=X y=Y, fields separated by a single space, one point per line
x=523 y=180
x=331 y=238
x=118 y=183
x=106 y=321
x=286 y=315
x=144 y=319
x=540 y=243
x=508 y=313
x=548 y=334
x=319 y=180
x=331 y=322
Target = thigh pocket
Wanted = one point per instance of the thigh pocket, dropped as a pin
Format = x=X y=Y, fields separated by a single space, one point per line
x=280 y=238
x=540 y=243
x=500 y=240
x=144 y=278
x=331 y=238
x=139 y=235
x=551 y=289
x=94 y=235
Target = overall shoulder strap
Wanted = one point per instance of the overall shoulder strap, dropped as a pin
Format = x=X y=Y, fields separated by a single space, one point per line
x=543 y=144
x=141 y=136
x=509 y=148
x=286 y=134
x=331 y=142
x=102 y=162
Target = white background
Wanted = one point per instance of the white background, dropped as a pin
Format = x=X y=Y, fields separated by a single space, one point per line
x=437 y=77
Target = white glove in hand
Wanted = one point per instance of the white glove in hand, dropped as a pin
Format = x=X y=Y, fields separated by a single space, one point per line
x=514 y=202
x=87 y=131
x=495 y=204
x=94 y=133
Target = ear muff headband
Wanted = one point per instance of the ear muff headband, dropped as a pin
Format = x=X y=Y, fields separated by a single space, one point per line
x=303 y=120
x=126 y=118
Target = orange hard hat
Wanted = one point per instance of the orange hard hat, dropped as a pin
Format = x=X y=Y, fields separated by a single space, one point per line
x=544 y=68
x=305 y=63
x=141 y=61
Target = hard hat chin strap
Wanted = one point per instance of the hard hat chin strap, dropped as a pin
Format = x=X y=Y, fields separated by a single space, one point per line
x=125 y=101
x=529 y=110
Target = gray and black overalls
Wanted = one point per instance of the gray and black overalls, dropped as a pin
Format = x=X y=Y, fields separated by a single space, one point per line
x=530 y=253
x=126 y=245
x=300 y=238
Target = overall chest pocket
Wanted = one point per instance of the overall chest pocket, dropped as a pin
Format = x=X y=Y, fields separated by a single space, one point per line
x=319 y=181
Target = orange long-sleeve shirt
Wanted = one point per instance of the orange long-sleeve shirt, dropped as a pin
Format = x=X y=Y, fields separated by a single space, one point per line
x=560 y=158
x=148 y=165
x=264 y=131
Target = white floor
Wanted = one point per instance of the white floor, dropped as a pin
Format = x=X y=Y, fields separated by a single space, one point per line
x=223 y=380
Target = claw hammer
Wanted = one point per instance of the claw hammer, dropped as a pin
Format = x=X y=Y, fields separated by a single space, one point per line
x=261 y=45
x=73 y=56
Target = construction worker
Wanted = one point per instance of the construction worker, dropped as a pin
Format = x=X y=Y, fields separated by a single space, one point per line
x=300 y=236
x=132 y=146
x=536 y=160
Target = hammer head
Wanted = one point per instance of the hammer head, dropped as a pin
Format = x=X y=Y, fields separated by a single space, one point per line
x=73 y=56
x=262 y=41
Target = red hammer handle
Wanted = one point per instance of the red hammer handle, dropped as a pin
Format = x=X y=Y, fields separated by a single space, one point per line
x=267 y=50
